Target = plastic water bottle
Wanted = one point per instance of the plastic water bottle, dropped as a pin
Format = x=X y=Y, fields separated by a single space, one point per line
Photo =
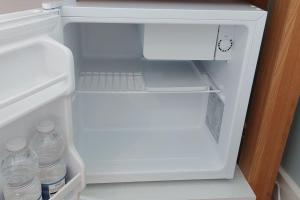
x=20 y=172
x=49 y=146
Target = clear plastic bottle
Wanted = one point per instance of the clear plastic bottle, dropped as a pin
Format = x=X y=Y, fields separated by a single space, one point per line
x=20 y=172
x=49 y=146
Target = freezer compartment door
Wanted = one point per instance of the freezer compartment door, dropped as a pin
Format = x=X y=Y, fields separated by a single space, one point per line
x=180 y=41
x=34 y=67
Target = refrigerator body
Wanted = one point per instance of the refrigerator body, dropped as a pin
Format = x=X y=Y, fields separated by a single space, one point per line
x=142 y=91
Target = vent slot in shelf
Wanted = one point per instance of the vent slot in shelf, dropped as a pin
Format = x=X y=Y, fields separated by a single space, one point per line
x=144 y=76
x=111 y=81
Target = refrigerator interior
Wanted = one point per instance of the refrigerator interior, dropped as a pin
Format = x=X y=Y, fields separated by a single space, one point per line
x=140 y=119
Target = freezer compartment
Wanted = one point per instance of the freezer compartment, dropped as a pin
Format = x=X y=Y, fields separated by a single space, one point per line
x=33 y=72
x=59 y=111
x=152 y=41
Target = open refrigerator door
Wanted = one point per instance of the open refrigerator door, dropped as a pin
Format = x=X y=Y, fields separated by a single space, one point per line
x=36 y=83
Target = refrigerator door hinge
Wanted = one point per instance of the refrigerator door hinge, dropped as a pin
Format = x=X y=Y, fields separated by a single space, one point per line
x=52 y=4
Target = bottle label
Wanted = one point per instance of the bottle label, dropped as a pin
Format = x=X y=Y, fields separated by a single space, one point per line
x=48 y=190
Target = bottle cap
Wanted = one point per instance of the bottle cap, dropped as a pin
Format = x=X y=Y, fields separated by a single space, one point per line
x=16 y=144
x=45 y=126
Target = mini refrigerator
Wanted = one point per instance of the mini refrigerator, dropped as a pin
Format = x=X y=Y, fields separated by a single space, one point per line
x=151 y=96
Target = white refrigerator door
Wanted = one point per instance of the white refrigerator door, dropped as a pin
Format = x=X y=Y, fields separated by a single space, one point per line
x=36 y=79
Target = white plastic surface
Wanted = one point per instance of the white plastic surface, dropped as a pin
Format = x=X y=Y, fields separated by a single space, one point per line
x=139 y=75
x=116 y=41
x=234 y=189
x=36 y=77
x=60 y=112
x=110 y=118
x=170 y=76
x=141 y=155
x=22 y=25
x=145 y=136
x=180 y=42
x=225 y=42
x=34 y=68
x=158 y=11
x=109 y=115
x=111 y=75
x=31 y=68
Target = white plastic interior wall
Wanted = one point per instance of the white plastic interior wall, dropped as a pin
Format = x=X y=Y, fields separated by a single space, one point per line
x=154 y=130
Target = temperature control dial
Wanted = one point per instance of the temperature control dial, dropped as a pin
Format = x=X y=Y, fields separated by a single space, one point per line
x=225 y=45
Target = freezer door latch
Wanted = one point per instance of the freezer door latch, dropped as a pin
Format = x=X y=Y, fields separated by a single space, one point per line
x=225 y=42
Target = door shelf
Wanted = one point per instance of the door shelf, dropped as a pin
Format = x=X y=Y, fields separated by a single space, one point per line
x=32 y=73
x=58 y=111
x=143 y=76
x=74 y=178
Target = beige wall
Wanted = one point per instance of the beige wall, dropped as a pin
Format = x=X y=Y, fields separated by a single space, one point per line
x=7 y=6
